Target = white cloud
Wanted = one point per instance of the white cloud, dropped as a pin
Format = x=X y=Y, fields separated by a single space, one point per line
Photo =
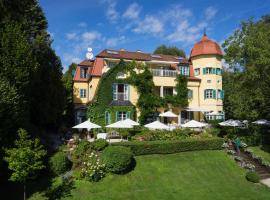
x=150 y=24
x=90 y=37
x=82 y=25
x=210 y=12
x=187 y=33
x=72 y=36
x=111 y=12
x=114 y=41
x=133 y=11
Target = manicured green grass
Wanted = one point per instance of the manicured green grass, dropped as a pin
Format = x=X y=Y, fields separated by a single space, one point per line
x=207 y=175
x=261 y=153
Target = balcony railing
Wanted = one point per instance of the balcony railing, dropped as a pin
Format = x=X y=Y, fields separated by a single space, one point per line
x=120 y=96
x=164 y=72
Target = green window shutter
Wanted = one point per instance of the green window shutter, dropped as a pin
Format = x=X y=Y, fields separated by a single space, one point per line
x=188 y=71
x=109 y=116
x=214 y=94
x=204 y=70
x=222 y=94
x=128 y=92
x=128 y=114
x=182 y=70
x=204 y=94
x=114 y=91
x=116 y=116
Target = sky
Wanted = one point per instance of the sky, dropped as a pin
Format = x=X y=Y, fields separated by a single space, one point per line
x=75 y=25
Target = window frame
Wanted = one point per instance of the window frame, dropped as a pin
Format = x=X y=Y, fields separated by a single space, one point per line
x=83 y=93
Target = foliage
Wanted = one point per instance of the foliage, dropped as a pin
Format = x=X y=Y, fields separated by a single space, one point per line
x=166 y=147
x=59 y=163
x=83 y=147
x=247 y=52
x=163 y=49
x=25 y=159
x=213 y=131
x=99 y=144
x=118 y=159
x=103 y=98
x=38 y=196
x=92 y=168
x=67 y=79
x=252 y=177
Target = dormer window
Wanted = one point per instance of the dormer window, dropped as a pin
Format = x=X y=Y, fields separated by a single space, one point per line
x=184 y=70
x=83 y=72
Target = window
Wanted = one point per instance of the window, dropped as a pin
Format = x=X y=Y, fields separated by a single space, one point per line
x=209 y=70
x=122 y=115
x=184 y=69
x=208 y=81
x=218 y=71
x=168 y=91
x=190 y=94
x=112 y=52
x=209 y=94
x=220 y=94
x=155 y=56
x=197 y=71
x=83 y=72
x=82 y=93
x=120 y=92
x=111 y=64
x=107 y=118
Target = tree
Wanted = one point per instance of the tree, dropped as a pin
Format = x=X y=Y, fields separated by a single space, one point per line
x=25 y=159
x=247 y=85
x=163 y=49
x=68 y=84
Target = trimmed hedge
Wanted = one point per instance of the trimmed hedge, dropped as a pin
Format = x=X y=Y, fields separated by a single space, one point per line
x=252 y=177
x=59 y=163
x=167 y=147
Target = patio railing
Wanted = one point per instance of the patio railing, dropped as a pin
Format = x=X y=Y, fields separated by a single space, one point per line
x=164 y=72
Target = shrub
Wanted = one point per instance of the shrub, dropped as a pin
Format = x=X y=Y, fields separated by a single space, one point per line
x=83 y=147
x=38 y=196
x=99 y=144
x=166 y=147
x=59 y=163
x=252 y=177
x=118 y=159
x=213 y=131
x=92 y=168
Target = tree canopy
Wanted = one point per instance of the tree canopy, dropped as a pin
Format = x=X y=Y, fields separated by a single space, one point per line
x=167 y=50
x=247 y=81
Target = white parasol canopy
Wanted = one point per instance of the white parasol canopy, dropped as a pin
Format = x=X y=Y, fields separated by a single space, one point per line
x=120 y=124
x=197 y=109
x=262 y=122
x=168 y=114
x=232 y=123
x=194 y=124
x=157 y=125
x=87 y=124
x=131 y=122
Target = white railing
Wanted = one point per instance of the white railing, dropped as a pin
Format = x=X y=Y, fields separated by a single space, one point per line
x=164 y=72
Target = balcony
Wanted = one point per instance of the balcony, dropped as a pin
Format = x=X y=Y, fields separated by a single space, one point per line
x=164 y=72
x=120 y=96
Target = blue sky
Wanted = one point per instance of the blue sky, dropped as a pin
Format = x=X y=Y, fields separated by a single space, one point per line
x=142 y=24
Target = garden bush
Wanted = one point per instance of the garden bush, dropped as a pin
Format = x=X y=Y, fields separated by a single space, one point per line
x=166 y=147
x=252 y=177
x=83 y=147
x=92 y=168
x=99 y=144
x=118 y=159
x=213 y=131
x=59 y=163
x=38 y=196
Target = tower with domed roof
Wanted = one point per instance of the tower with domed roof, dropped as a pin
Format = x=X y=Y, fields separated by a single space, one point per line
x=206 y=58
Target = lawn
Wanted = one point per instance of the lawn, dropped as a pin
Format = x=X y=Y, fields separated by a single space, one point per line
x=196 y=175
x=261 y=153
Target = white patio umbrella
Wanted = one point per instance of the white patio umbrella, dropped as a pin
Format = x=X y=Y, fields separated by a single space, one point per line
x=131 y=122
x=87 y=124
x=120 y=124
x=194 y=124
x=232 y=123
x=168 y=114
x=156 y=125
x=262 y=122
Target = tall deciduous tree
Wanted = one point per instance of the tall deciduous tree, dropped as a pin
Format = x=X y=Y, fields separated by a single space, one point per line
x=25 y=159
x=247 y=86
x=167 y=50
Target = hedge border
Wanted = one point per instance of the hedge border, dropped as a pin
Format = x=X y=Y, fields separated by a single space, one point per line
x=168 y=147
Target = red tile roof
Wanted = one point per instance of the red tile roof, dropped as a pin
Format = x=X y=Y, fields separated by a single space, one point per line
x=98 y=66
x=205 y=47
x=140 y=56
